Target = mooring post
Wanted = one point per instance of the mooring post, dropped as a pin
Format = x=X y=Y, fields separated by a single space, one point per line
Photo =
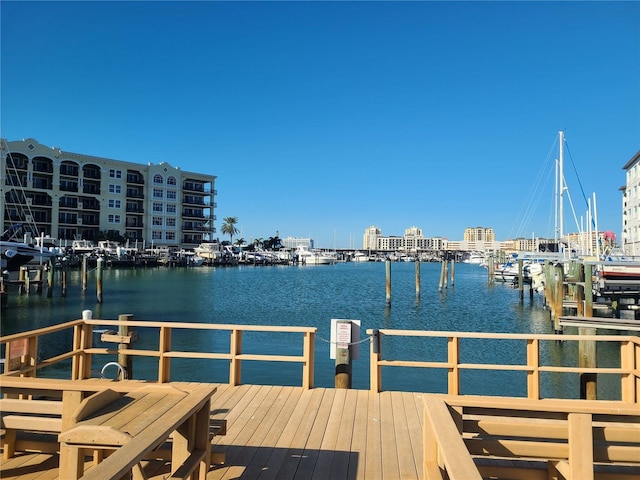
x=63 y=277
x=441 y=275
x=453 y=271
x=50 y=277
x=588 y=290
x=343 y=354
x=580 y=289
x=559 y=298
x=587 y=354
x=388 y=280
x=417 y=276
x=491 y=270
x=85 y=262
x=99 y=279
x=124 y=360
x=520 y=280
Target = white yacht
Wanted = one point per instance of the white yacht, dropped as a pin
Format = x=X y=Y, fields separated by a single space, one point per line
x=314 y=257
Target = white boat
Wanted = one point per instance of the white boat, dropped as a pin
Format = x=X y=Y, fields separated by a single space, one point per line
x=475 y=258
x=314 y=257
x=82 y=247
x=16 y=254
x=359 y=257
x=210 y=251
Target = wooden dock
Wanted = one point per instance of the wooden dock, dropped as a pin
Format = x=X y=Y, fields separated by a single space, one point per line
x=277 y=432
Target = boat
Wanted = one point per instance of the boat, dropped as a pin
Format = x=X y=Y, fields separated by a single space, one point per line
x=475 y=258
x=359 y=257
x=210 y=251
x=14 y=253
x=82 y=247
x=305 y=256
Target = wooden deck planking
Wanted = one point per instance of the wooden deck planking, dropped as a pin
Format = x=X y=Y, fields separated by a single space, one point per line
x=286 y=433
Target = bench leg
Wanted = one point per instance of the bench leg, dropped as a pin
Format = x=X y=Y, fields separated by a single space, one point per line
x=8 y=444
x=71 y=462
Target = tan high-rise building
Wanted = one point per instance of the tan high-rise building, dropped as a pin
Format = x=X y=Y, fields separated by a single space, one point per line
x=71 y=196
x=479 y=234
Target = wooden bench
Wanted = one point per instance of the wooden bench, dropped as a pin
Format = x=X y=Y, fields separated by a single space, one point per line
x=520 y=438
x=134 y=425
x=43 y=418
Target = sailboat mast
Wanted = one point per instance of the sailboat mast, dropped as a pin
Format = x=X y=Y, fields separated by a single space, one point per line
x=561 y=183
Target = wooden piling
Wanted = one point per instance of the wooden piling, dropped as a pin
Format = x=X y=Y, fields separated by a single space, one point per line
x=50 y=278
x=124 y=360
x=85 y=263
x=440 y=284
x=453 y=272
x=388 y=280
x=588 y=290
x=491 y=270
x=580 y=286
x=587 y=355
x=559 y=296
x=99 y=280
x=521 y=280
x=417 y=277
x=63 y=278
x=343 y=354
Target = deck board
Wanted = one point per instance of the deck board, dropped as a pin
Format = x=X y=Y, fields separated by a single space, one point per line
x=283 y=433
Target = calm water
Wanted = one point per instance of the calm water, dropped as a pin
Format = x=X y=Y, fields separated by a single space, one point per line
x=312 y=296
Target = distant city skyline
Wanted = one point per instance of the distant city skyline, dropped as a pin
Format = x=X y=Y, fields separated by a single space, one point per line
x=320 y=119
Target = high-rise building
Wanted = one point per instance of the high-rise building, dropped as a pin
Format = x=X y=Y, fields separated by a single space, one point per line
x=71 y=196
x=631 y=207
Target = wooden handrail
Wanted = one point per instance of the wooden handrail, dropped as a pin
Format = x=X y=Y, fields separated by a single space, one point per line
x=629 y=369
x=82 y=350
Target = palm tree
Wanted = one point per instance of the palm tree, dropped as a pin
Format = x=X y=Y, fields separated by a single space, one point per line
x=229 y=227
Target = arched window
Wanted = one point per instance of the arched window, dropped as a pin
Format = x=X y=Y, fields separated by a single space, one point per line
x=158 y=179
x=171 y=181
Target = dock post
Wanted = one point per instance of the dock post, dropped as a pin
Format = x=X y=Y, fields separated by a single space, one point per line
x=588 y=290
x=491 y=269
x=85 y=262
x=388 y=280
x=4 y=299
x=441 y=275
x=580 y=288
x=446 y=272
x=587 y=354
x=63 y=277
x=50 y=278
x=99 y=280
x=453 y=271
x=417 y=277
x=21 y=283
x=124 y=360
x=27 y=281
x=343 y=354
x=559 y=296
x=520 y=280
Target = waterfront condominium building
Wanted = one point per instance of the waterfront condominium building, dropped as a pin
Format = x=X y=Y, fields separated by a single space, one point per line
x=370 y=238
x=479 y=234
x=70 y=196
x=631 y=207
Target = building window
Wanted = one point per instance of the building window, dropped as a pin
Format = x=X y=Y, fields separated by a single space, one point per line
x=157 y=221
x=114 y=203
x=171 y=194
x=156 y=235
x=113 y=218
x=157 y=179
x=157 y=207
x=115 y=188
x=171 y=222
x=170 y=235
x=157 y=193
x=171 y=208
x=113 y=173
x=171 y=181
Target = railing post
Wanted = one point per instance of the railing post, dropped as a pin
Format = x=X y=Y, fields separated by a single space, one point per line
x=235 y=367
x=453 y=350
x=587 y=359
x=164 y=363
x=629 y=362
x=309 y=360
x=375 y=354
x=82 y=340
x=533 y=363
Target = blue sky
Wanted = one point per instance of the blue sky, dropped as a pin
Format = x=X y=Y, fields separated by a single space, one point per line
x=323 y=118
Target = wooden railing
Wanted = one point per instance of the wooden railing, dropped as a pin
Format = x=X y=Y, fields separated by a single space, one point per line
x=628 y=371
x=21 y=350
x=482 y=437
